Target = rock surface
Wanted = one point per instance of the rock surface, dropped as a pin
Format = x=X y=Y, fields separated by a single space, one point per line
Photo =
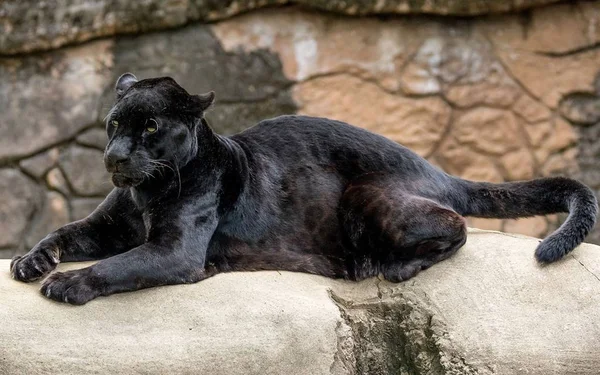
x=33 y=25
x=40 y=110
x=86 y=181
x=490 y=309
x=20 y=199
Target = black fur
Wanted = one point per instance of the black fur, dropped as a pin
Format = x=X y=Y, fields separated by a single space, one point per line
x=292 y=193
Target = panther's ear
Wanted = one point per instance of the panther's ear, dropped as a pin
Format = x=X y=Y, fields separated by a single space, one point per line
x=124 y=82
x=203 y=101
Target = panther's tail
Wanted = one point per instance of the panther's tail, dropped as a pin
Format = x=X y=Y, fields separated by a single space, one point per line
x=535 y=197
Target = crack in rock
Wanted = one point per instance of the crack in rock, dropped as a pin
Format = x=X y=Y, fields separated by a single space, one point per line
x=395 y=334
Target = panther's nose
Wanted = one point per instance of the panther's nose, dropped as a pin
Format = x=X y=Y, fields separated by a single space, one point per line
x=115 y=157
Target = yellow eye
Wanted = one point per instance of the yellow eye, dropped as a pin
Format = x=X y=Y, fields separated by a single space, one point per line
x=115 y=123
x=152 y=126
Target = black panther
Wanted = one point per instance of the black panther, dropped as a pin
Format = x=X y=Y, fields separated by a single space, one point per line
x=291 y=193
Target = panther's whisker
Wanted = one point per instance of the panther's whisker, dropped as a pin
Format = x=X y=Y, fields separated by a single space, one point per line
x=176 y=169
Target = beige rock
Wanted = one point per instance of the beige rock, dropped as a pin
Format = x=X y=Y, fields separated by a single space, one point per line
x=416 y=123
x=444 y=60
x=563 y=28
x=569 y=73
x=538 y=132
x=533 y=226
x=519 y=165
x=489 y=85
x=563 y=136
x=541 y=155
x=545 y=31
x=465 y=57
x=255 y=323
x=563 y=66
x=420 y=77
x=487 y=224
x=417 y=80
x=461 y=161
x=478 y=312
x=462 y=65
x=433 y=160
x=488 y=130
x=56 y=180
x=531 y=110
x=366 y=47
x=483 y=93
x=561 y=164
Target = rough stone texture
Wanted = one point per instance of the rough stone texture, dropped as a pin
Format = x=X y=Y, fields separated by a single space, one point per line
x=85 y=181
x=56 y=180
x=253 y=80
x=82 y=207
x=257 y=323
x=48 y=99
x=490 y=309
x=20 y=199
x=417 y=123
x=371 y=49
x=53 y=214
x=38 y=165
x=544 y=31
x=497 y=98
x=95 y=137
x=32 y=25
x=583 y=110
x=539 y=49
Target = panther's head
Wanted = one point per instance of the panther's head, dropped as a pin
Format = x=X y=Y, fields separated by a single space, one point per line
x=152 y=126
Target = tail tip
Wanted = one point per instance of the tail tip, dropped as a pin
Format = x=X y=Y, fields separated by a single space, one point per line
x=551 y=250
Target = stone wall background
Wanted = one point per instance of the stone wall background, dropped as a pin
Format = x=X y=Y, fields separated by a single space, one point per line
x=497 y=97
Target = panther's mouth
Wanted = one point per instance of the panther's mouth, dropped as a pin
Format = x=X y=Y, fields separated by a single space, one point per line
x=121 y=180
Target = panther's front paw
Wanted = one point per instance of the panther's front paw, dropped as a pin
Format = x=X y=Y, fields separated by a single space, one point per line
x=34 y=265
x=75 y=287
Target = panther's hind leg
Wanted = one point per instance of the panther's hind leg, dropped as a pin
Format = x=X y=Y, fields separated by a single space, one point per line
x=394 y=231
x=401 y=270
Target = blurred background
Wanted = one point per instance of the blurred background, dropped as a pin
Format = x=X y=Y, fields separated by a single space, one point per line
x=487 y=90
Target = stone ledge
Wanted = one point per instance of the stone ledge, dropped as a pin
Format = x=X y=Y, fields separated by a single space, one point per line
x=488 y=310
x=31 y=25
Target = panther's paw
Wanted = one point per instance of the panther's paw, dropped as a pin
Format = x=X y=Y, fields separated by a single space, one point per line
x=75 y=287
x=37 y=263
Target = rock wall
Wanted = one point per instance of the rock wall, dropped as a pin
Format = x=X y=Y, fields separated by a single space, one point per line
x=493 y=97
x=32 y=25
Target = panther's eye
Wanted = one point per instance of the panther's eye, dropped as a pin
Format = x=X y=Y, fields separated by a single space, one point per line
x=115 y=123
x=151 y=126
